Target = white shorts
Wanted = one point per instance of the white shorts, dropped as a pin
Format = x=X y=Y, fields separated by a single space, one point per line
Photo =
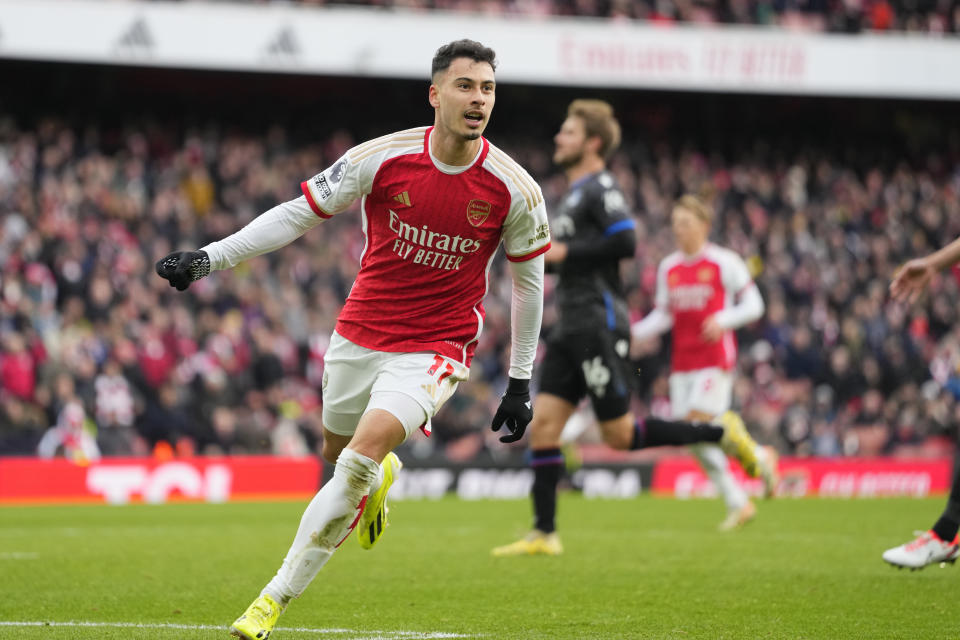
x=706 y=390
x=411 y=386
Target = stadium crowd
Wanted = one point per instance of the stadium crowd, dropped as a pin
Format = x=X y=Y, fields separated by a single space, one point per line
x=842 y=16
x=101 y=357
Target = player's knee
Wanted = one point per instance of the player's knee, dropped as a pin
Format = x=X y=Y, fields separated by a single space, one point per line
x=618 y=433
x=617 y=440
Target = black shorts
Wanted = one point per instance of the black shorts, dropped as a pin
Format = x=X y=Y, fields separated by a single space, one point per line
x=588 y=363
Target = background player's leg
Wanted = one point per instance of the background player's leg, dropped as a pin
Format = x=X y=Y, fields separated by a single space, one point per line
x=728 y=430
x=946 y=527
x=620 y=432
x=626 y=432
x=701 y=396
x=550 y=413
x=334 y=511
x=940 y=544
x=715 y=464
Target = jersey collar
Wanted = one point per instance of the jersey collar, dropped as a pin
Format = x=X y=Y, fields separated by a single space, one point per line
x=455 y=169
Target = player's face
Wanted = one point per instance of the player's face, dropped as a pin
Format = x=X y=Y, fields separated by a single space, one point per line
x=689 y=231
x=463 y=96
x=570 y=142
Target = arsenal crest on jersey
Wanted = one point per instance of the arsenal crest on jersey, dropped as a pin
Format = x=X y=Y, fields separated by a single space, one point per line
x=477 y=211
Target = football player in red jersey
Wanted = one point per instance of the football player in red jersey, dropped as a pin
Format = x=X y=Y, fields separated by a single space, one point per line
x=436 y=203
x=705 y=292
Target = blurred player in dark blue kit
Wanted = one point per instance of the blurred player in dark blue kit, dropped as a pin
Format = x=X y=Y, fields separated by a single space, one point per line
x=588 y=347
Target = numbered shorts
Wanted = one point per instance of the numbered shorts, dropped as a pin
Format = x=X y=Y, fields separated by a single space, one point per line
x=706 y=390
x=593 y=364
x=411 y=386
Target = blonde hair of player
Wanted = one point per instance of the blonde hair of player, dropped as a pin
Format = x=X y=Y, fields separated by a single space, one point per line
x=691 y=220
x=598 y=121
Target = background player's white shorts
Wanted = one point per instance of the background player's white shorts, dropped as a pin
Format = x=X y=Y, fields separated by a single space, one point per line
x=706 y=390
x=411 y=386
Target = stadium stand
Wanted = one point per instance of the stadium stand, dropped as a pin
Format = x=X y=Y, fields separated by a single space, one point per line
x=838 y=16
x=93 y=192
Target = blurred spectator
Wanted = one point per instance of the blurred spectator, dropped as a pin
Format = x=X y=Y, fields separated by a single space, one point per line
x=114 y=411
x=165 y=419
x=21 y=425
x=17 y=368
x=72 y=436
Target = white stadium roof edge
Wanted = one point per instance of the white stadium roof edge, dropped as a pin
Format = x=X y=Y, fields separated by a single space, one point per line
x=550 y=51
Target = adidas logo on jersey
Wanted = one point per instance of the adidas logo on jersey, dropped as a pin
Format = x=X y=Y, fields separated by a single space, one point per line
x=402 y=198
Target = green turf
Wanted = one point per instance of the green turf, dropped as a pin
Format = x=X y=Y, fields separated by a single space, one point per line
x=645 y=568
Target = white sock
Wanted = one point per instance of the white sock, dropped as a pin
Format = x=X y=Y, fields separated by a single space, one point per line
x=378 y=480
x=327 y=521
x=714 y=462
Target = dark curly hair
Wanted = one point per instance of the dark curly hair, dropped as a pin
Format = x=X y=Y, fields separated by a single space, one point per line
x=462 y=49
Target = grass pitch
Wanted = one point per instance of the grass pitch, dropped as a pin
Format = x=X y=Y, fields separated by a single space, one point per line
x=644 y=568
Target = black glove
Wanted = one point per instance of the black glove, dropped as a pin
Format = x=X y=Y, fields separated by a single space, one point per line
x=515 y=411
x=183 y=267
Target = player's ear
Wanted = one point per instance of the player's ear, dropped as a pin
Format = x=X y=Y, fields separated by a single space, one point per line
x=434 y=96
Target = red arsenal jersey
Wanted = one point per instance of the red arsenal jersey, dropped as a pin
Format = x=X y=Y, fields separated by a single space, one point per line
x=431 y=233
x=693 y=288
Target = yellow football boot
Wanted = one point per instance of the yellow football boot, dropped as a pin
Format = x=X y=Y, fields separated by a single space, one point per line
x=258 y=620
x=373 y=520
x=534 y=543
x=737 y=443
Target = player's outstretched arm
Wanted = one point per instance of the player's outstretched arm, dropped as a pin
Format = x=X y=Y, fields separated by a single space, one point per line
x=267 y=232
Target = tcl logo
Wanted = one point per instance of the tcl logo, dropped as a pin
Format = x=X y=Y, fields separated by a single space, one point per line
x=119 y=483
